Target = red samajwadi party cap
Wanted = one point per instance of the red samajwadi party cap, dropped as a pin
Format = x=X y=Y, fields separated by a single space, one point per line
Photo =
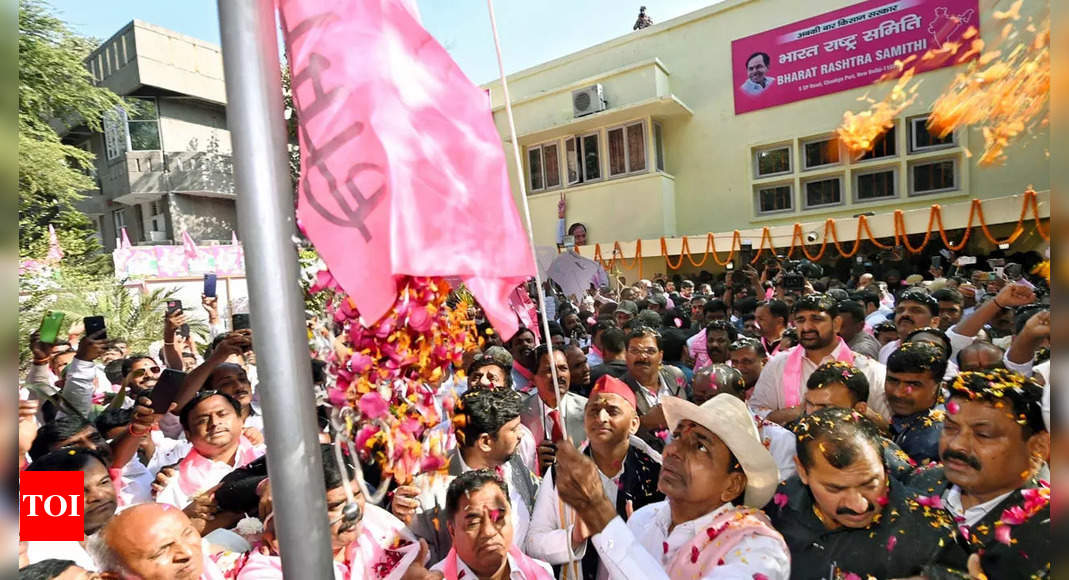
x=613 y=385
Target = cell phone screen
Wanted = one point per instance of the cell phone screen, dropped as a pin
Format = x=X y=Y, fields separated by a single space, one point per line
x=94 y=324
x=240 y=322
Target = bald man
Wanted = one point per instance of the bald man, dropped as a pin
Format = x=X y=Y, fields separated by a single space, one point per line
x=153 y=542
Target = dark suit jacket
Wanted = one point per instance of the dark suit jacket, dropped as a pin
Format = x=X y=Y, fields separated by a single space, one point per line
x=1031 y=549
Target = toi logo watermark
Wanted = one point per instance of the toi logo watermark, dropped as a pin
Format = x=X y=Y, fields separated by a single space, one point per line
x=51 y=506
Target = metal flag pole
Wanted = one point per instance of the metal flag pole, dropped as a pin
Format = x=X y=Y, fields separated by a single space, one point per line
x=527 y=217
x=266 y=216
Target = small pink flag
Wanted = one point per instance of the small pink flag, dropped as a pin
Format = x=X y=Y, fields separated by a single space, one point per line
x=55 y=253
x=233 y=238
x=402 y=169
x=189 y=245
x=125 y=240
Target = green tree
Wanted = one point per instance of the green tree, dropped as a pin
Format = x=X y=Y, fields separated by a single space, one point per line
x=55 y=88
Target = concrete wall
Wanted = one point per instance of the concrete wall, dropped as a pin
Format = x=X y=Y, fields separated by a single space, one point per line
x=709 y=153
x=205 y=218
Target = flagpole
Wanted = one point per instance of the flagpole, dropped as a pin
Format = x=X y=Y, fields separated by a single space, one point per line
x=266 y=216
x=527 y=216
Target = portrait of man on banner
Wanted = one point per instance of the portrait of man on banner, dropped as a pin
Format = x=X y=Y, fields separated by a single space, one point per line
x=757 y=79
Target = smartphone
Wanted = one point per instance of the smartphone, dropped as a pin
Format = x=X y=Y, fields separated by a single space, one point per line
x=93 y=324
x=745 y=253
x=209 y=285
x=166 y=389
x=50 y=327
x=240 y=322
x=176 y=306
x=1012 y=271
x=937 y=261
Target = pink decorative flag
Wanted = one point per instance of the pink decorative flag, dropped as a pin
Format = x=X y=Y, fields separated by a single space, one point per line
x=55 y=253
x=189 y=245
x=233 y=238
x=125 y=240
x=402 y=169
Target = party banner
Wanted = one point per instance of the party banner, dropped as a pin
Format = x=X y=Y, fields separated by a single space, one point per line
x=177 y=261
x=849 y=48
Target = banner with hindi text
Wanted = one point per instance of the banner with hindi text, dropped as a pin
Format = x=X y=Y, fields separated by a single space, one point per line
x=847 y=48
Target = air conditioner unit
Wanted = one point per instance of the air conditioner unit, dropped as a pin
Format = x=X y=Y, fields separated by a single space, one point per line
x=588 y=100
x=154 y=236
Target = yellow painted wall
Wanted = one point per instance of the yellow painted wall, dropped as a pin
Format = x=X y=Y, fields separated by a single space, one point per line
x=708 y=153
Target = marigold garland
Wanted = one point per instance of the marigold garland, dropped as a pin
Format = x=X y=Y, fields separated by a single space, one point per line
x=901 y=235
x=390 y=373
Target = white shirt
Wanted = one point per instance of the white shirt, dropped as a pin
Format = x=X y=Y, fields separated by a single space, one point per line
x=952 y=501
x=636 y=550
x=782 y=444
x=768 y=393
x=463 y=571
x=887 y=349
x=753 y=89
x=548 y=539
x=40 y=551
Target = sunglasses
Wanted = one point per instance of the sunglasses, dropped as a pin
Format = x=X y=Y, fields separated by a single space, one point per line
x=141 y=372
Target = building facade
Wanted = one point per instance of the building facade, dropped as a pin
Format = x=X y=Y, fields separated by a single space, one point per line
x=664 y=154
x=164 y=166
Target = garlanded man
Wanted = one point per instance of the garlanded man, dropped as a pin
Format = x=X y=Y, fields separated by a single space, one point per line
x=715 y=471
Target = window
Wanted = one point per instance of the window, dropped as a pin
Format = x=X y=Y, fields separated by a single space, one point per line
x=933 y=177
x=875 y=185
x=627 y=149
x=921 y=139
x=776 y=198
x=143 y=125
x=820 y=153
x=591 y=157
x=534 y=168
x=156 y=219
x=882 y=146
x=772 y=161
x=658 y=146
x=821 y=192
x=582 y=158
x=119 y=220
x=114 y=133
x=551 y=161
x=543 y=166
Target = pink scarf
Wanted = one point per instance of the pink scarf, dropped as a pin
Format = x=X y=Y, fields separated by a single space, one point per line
x=197 y=473
x=792 y=371
x=523 y=371
x=708 y=548
x=527 y=565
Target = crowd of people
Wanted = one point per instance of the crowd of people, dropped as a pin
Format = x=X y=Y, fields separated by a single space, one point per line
x=773 y=424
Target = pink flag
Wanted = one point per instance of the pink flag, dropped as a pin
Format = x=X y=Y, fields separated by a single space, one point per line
x=402 y=168
x=55 y=253
x=125 y=240
x=233 y=238
x=189 y=245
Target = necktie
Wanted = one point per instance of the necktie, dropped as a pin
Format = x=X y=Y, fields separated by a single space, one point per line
x=558 y=429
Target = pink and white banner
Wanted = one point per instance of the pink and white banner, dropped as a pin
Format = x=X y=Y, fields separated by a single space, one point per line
x=175 y=261
x=848 y=48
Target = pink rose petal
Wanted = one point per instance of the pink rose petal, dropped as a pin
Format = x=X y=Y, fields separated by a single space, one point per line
x=1002 y=534
x=373 y=406
x=780 y=499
